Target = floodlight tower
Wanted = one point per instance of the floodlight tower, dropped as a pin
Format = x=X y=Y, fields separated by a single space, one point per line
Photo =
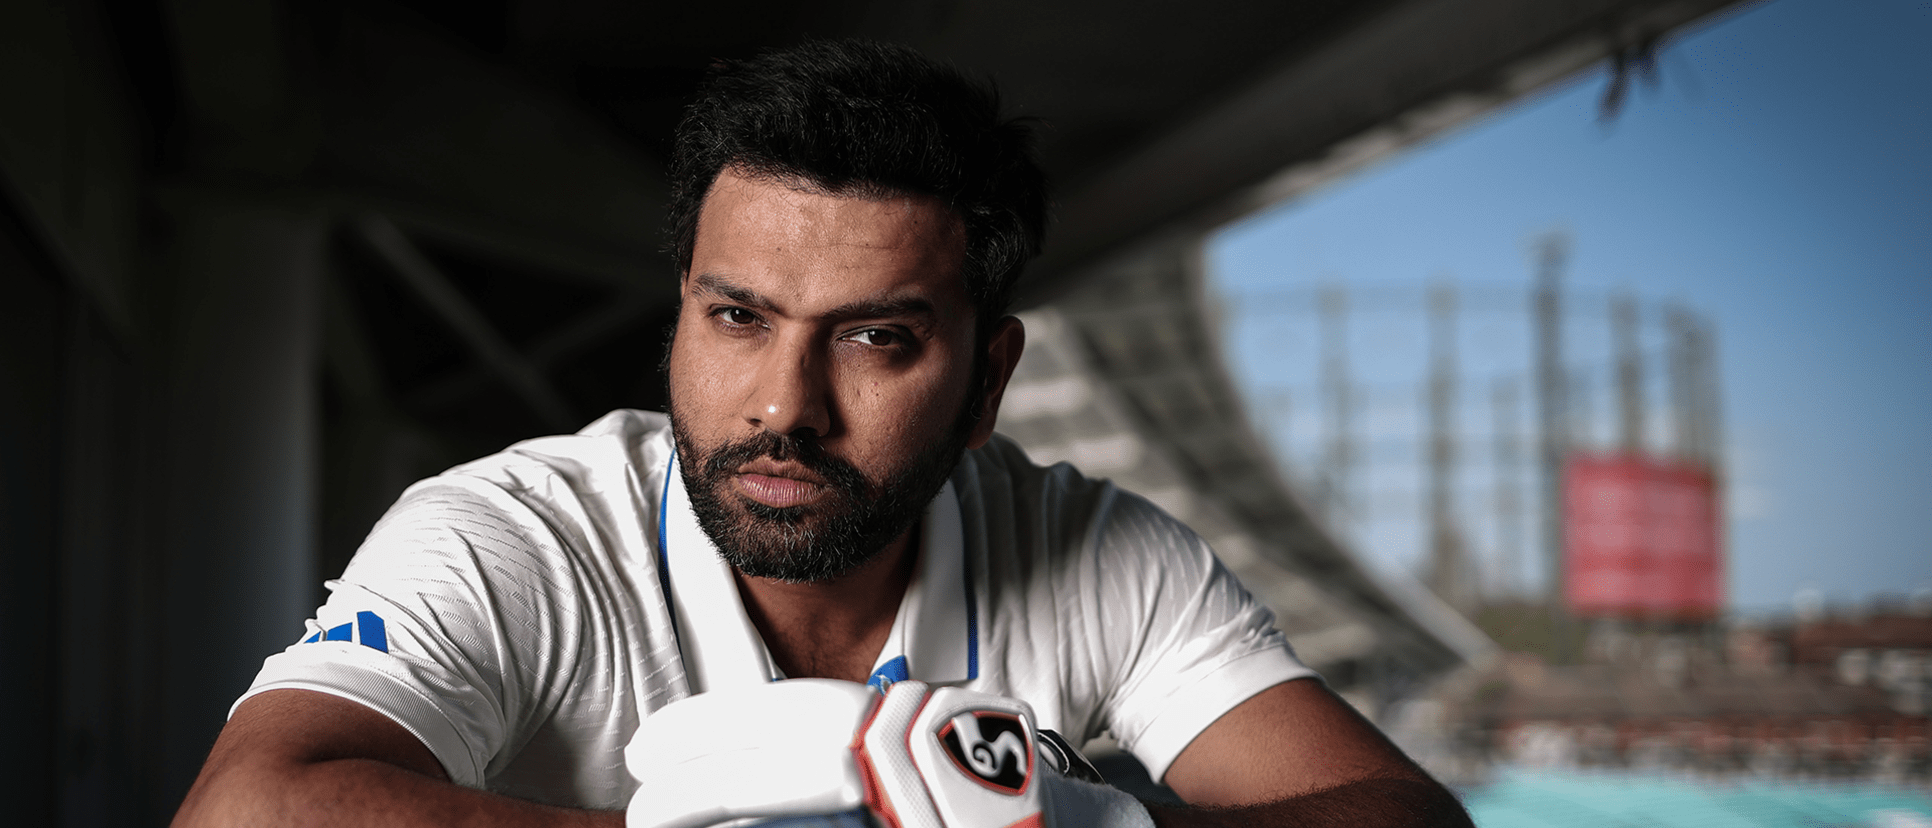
x=1630 y=375
x=1450 y=572
x=1338 y=461
x=1507 y=445
x=1552 y=382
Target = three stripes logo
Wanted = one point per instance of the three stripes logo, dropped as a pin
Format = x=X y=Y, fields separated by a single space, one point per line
x=367 y=631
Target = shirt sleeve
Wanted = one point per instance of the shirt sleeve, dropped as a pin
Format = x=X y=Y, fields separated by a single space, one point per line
x=448 y=621
x=1192 y=643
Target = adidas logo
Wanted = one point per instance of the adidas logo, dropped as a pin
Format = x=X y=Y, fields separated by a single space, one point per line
x=367 y=631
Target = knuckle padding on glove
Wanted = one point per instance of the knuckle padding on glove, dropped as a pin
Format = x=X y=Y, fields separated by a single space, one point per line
x=814 y=752
x=924 y=787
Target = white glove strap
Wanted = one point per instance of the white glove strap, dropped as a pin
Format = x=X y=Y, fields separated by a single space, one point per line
x=1071 y=802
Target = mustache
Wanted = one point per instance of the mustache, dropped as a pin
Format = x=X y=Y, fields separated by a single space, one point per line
x=785 y=448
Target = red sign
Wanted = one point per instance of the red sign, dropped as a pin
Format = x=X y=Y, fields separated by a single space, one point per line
x=1640 y=538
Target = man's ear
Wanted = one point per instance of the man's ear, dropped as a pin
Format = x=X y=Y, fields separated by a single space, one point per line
x=1002 y=355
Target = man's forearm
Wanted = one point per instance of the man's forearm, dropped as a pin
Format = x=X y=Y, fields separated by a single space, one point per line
x=300 y=758
x=362 y=792
x=1374 y=803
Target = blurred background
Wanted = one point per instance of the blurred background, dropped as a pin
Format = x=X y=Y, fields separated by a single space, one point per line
x=1558 y=370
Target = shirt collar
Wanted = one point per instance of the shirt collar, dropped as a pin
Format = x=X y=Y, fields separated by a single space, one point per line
x=934 y=637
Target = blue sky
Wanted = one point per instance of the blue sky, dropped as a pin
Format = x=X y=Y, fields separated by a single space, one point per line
x=1778 y=181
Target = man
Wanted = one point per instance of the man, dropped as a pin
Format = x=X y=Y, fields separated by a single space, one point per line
x=827 y=499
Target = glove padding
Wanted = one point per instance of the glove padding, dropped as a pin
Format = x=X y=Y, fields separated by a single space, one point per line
x=918 y=757
x=951 y=758
x=770 y=750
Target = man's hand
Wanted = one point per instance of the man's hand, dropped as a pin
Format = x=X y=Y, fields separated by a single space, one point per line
x=960 y=759
x=770 y=750
x=919 y=756
x=296 y=757
x=1296 y=754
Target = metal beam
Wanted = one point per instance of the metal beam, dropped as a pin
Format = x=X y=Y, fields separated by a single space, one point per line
x=581 y=259
x=489 y=346
x=567 y=340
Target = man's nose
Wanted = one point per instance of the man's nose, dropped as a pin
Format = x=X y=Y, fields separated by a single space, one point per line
x=789 y=393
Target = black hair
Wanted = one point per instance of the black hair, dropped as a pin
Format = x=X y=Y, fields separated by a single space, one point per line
x=869 y=120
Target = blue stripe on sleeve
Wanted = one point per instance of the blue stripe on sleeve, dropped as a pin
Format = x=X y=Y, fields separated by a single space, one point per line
x=374 y=636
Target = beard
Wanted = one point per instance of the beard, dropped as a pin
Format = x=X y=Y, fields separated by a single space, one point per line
x=851 y=524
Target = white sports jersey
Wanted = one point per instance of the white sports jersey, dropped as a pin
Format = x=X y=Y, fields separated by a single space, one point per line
x=512 y=612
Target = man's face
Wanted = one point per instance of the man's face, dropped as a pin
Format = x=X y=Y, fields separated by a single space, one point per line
x=821 y=374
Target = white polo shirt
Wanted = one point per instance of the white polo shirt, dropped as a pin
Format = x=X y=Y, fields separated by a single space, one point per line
x=512 y=612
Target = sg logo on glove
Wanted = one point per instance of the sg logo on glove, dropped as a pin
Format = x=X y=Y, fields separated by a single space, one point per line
x=991 y=747
x=944 y=757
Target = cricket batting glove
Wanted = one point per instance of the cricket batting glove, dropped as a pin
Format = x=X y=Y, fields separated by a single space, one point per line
x=820 y=752
x=951 y=758
x=782 y=749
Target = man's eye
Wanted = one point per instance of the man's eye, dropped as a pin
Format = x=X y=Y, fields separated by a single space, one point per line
x=877 y=337
x=738 y=316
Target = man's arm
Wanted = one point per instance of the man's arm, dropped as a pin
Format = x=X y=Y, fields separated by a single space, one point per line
x=297 y=757
x=1296 y=754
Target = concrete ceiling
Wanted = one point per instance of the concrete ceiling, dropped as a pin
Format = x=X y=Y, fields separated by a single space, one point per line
x=1159 y=116
x=549 y=118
